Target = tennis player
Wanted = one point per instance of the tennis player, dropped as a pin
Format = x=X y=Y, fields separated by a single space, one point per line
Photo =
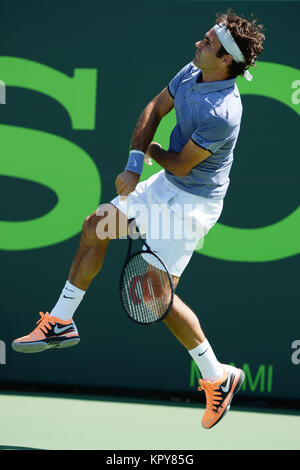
x=195 y=177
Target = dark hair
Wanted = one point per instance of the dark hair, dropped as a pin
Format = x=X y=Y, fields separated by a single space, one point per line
x=248 y=36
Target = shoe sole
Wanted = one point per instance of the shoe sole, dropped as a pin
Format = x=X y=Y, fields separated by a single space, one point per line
x=40 y=346
x=234 y=392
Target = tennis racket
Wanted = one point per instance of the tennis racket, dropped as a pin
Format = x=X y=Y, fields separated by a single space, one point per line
x=146 y=287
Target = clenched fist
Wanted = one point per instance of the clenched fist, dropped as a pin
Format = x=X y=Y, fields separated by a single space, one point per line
x=126 y=182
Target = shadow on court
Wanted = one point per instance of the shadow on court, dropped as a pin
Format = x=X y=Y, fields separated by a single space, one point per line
x=92 y=423
x=156 y=398
x=18 y=448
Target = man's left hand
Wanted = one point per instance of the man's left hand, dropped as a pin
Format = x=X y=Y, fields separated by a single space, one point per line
x=153 y=147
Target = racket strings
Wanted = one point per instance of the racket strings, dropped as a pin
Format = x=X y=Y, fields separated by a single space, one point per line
x=146 y=290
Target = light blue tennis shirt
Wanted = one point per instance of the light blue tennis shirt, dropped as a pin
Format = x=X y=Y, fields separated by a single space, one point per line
x=209 y=114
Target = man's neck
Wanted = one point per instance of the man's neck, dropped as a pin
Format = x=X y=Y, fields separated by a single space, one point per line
x=210 y=76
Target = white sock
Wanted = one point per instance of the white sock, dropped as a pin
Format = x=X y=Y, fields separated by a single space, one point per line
x=68 y=302
x=209 y=366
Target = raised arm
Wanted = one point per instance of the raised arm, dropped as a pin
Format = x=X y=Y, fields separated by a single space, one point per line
x=181 y=163
x=150 y=119
x=143 y=135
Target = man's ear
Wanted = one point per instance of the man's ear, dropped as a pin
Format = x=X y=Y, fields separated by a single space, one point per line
x=227 y=59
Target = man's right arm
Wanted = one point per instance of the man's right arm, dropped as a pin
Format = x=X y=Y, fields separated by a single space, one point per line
x=143 y=135
x=150 y=119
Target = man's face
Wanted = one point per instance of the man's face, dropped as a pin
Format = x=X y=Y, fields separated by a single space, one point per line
x=206 y=50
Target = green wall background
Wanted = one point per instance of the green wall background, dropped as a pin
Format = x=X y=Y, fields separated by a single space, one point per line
x=77 y=79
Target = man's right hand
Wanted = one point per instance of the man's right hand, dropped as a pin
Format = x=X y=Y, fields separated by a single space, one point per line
x=126 y=182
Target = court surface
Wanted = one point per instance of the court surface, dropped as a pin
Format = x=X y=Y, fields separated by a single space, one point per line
x=62 y=422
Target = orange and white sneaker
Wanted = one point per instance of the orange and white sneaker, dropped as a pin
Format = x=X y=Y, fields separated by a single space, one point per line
x=51 y=332
x=219 y=394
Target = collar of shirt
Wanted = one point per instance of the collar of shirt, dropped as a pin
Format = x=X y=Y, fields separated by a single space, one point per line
x=207 y=87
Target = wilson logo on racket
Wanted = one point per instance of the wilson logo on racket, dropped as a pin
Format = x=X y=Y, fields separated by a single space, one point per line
x=146 y=285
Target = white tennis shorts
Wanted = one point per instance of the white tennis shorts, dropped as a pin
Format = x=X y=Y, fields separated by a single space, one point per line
x=172 y=221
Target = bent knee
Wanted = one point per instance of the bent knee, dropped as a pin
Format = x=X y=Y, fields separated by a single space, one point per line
x=106 y=223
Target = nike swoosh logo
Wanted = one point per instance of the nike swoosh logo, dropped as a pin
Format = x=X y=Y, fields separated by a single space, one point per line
x=203 y=352
x=134 y=163
x=226 y=387
x=58 y=329
x=66 y=297
x=69 y=289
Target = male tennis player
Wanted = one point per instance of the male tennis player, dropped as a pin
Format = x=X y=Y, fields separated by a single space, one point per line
x=195 y=175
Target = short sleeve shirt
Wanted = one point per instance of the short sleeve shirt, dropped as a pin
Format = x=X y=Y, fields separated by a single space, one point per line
x=209 y=114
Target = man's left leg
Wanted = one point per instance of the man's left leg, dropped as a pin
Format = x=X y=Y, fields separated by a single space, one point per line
x=220 y=382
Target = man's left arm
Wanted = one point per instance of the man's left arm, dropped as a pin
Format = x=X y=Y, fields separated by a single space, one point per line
x=178 y=163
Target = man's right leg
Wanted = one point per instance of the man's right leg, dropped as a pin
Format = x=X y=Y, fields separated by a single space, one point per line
x=91 y=252
x=58 y=329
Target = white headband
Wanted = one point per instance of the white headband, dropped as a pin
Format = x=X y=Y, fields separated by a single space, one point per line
x=229 y=44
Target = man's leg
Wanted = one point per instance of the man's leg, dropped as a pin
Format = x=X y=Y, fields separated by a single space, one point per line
x=105 y=224
x=220 y=382
x=58 y=329
x=91 y=252
x=184 y=324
